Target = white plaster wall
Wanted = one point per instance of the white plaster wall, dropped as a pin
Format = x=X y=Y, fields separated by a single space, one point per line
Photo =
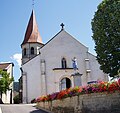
x=63 y=45
x=32 y=70
x=6 y=97
x=10 y=70
x=96 y=73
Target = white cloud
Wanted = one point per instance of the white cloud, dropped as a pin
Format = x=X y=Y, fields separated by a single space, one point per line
x=17 y=57
x=6 y=62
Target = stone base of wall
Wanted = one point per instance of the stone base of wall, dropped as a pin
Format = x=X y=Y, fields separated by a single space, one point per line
x=63 y=110
x=87 y=103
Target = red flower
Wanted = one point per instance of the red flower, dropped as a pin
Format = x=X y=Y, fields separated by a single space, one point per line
x=92 y=88
x=62 y=94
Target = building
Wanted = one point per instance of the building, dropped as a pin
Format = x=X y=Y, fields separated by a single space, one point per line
x=48 y=68
x=8 y=97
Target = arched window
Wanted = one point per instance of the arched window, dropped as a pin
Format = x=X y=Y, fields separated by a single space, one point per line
x=24 y=51
x=65 y=83
x=32 y=50
x=64 y=63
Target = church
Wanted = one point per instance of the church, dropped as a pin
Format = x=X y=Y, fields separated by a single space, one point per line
x=61 y=63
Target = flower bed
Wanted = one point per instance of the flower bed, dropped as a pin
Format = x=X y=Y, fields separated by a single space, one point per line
x=91 y=88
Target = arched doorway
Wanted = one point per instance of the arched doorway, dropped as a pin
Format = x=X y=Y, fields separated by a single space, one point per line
x=65 y=83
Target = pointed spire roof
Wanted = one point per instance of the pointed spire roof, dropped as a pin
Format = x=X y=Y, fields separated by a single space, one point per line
x=32 y=34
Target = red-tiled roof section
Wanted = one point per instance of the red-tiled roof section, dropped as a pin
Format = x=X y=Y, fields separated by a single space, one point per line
x=32 y=34
x=4 y=65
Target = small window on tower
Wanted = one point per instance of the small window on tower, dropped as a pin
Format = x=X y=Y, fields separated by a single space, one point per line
x=32 y=50
x=64 y=63
x=24 y=51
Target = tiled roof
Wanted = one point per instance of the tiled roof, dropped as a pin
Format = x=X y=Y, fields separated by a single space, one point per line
x=32 y=34
x=4 y=65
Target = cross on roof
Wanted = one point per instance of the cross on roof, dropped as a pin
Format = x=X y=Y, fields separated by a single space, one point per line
x=33 y=3
x=62 y=25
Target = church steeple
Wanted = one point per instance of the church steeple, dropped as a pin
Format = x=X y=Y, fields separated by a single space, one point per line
x=32 y=34
x=32 y=40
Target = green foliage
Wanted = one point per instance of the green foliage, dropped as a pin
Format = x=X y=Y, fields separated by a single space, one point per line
x=5 y=81
x=106 y=35
x=16 y=99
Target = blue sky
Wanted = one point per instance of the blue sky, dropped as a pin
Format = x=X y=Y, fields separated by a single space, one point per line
x=15 y=14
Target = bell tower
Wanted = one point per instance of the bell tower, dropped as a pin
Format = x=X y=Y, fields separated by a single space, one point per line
x=32 y=40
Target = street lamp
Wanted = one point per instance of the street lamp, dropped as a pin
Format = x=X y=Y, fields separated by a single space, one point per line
x=10 y=96
x=20 y=96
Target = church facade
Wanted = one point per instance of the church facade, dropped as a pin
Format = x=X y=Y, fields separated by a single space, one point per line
x=48 y=68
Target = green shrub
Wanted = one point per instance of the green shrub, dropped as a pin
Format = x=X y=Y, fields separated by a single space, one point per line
x=16 y=99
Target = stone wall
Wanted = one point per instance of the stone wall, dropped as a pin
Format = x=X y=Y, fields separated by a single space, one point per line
x=87 y=103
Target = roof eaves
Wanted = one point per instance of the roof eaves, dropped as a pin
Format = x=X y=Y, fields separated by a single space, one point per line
x=52 y=38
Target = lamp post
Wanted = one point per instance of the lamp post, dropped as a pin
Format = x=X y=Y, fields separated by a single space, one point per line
x=20 y=96
x=10 y=96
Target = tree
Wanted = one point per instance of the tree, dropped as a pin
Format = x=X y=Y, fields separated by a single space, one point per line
x=5 y=81
x=106 y=35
